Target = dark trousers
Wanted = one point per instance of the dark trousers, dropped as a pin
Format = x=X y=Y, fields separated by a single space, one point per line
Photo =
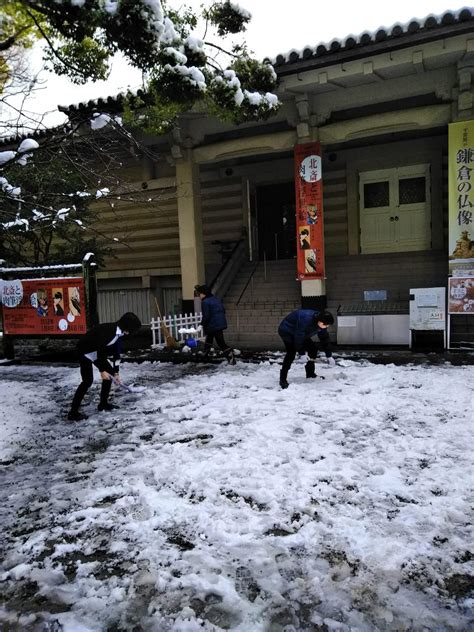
x=87 y=375
x=311 y=349
x=221 y=343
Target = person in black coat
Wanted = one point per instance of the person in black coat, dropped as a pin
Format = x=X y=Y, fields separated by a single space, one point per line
x=95 y=348
x=213 y=322
x=296 y=331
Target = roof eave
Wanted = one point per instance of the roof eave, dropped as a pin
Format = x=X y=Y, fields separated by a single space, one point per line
x=360 y=50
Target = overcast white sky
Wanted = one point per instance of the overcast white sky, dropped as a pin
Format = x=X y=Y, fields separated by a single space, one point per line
x=271 y=31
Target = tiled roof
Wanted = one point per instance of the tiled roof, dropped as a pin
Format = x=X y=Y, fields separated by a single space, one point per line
x=41 y=132
x=107 y=104
x=324 y=52
x=397 y=35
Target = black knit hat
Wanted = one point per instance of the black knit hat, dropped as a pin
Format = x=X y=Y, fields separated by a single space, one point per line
x=129 y=322
x=203 y=289
x=325 y=317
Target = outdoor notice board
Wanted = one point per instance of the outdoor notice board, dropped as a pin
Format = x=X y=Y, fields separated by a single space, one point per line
x=428 y=309
x=461 y=295
x=43 y=306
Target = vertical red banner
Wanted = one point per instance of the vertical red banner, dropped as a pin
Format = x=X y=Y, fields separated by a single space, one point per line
x=309 y=211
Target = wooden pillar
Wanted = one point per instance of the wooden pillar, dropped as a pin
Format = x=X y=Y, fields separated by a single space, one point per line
x=190 y=228
x=89 y=273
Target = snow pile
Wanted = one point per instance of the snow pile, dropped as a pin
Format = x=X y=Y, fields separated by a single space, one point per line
x=214 y=500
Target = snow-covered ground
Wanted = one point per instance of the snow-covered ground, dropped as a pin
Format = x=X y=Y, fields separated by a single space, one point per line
x=215 y=501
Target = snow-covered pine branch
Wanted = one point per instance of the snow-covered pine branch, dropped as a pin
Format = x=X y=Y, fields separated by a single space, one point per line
x=49 y=187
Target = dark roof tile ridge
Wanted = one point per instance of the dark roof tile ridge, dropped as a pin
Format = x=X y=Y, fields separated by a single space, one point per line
x=431 y=21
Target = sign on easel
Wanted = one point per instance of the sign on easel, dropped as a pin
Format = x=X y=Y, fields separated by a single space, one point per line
x=36 y=304
x=43 y=306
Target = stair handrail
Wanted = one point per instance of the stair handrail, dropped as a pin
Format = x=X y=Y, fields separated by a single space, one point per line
x=254 y=269
x=228 y=270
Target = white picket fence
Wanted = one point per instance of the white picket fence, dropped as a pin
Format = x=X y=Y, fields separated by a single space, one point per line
x=174 y=323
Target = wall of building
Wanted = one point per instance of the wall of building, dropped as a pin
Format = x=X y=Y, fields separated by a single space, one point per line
x=148 y=224
x=349 y=276
x=348 y=272
x=222 y=208
x=146 y=227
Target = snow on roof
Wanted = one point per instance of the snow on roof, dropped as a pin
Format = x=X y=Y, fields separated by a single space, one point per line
x=40 y=268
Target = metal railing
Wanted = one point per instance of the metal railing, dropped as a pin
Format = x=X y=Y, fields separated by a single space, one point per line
x=247 y=284
x=223 y=279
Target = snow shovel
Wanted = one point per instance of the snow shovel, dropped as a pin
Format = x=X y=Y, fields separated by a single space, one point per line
x=171 y=343
x=127 y=387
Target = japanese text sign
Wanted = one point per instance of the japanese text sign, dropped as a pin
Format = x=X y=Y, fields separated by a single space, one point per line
x=43 y=306
x=461 y=192
x=309 y=211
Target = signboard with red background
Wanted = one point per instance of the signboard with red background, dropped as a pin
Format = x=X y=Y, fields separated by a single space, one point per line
x=43 y=306
x=309 y=211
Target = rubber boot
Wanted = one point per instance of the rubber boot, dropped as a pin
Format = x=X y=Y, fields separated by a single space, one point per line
x=230 y=356
x=207 y=350
x=104 y=396
x=283 y=380
x=75 y=415
x=309 y=368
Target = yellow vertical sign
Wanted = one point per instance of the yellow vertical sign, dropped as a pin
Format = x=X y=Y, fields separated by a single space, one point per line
x=461 y=193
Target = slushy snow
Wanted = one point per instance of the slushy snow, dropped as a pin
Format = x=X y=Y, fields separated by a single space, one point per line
x=216 y=501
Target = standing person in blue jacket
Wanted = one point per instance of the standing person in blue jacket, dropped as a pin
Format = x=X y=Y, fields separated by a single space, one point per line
x=213 y=322
x=296 y=331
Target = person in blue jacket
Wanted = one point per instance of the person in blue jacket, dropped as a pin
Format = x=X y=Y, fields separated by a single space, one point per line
x=213 y=322
x=296 y=330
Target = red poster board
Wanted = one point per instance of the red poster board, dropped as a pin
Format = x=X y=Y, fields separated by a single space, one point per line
x=52 y=307
x=309 y=211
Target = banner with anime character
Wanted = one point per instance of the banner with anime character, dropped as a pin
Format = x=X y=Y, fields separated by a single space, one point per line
x=309 y=211
x=43 y=306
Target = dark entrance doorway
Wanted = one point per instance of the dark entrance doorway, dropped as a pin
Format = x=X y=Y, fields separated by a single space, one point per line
x=276 y=221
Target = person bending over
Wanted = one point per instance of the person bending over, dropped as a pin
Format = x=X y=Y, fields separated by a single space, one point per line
x=296 y=330
x=95 y=348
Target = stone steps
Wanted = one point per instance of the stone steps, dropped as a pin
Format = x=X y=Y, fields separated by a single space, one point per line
x=268 y=298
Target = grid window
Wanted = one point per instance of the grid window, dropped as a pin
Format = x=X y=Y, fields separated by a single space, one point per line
x=411 y=190
x=376 y=194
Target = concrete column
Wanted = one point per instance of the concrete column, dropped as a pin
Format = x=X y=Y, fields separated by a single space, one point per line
x=313 y=294
x=190 y=228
